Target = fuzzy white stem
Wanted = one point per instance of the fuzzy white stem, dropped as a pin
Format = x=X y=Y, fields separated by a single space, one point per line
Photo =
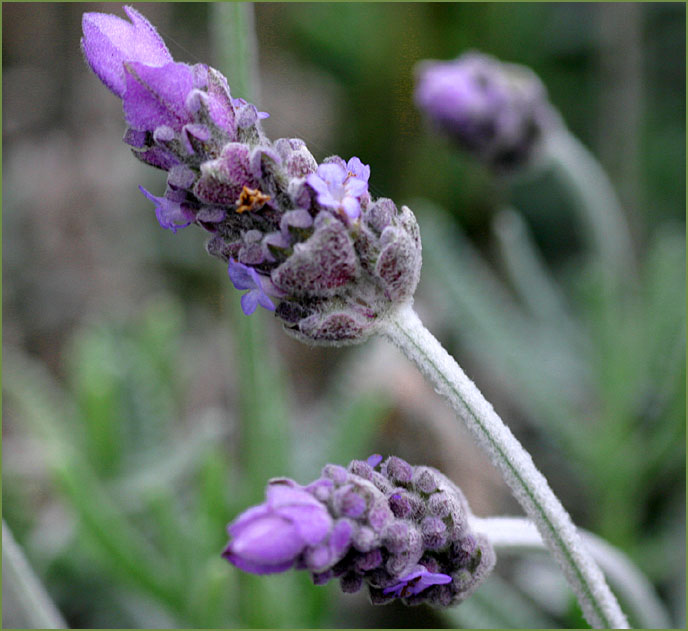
x=406 y=331
x=520 y=534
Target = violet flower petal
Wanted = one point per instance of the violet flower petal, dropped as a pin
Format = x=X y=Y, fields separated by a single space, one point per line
x=171 y=214
x=156 y=95
x=283 y=495
x=374 y=460
x=249 y=302
x=416 y=582
x=269 y=541
x=240 y=275
x=312 y=522
x=355 y=187
x=351 y=206
x=256 y=568
x=244 y=277
x=359 y=170
x=109 y=41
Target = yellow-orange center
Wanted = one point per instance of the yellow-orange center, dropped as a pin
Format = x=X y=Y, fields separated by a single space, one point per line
x=251 y=199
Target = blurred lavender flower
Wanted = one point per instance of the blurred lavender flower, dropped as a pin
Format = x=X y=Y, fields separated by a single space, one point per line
x=308 y=236
x=494 y=110
x=374 y=523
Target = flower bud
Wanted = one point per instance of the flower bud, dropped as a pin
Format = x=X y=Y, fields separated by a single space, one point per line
x=344 y=526
x=497 y=111
x=270 y=537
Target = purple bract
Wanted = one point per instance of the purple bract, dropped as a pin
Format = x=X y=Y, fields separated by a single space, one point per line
x=268 y=538
x=109 y=41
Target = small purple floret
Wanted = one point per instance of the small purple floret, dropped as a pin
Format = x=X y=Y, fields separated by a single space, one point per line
x=341 y=187
x=171 y=214
x=245 y=277
x=416 y=582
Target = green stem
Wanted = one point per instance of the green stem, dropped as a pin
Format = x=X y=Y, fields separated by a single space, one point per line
x=595 y=199
x=406 y=331
x=235 y=47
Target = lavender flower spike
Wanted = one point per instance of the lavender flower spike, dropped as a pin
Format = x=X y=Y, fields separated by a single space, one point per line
x=496 y=111
x=373 y=523
x=309 y=236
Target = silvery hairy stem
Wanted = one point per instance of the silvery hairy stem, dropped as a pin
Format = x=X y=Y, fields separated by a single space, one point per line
x=406 y=331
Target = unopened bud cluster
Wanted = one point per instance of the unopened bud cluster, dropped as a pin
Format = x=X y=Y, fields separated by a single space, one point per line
x=401 y=531
x=496 y=111
x=306 y=240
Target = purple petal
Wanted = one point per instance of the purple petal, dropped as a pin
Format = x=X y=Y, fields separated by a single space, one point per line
x=235 y=528
x=358 y=169
x=194 y=131
x=430 y=578
x=374 y=460
x=332 y=173
x=249 y=302
x=265 y=302
x=135 y=138
x=240 y=275
x=317 y=184
x=416 y=582
x=280 y=494
x=270 y=540
x=256 y=568
x=312 y=522
x=355 y=187
x=220 y=102
x=351 y=207
x=340 y=539
x=171 y=214
x=156 y=96
x=157 y=157
x=109 y=41
x=318 y=558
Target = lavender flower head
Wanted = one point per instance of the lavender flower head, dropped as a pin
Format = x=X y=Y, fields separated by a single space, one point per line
x=401 y=531
x=305 y=239
x=497 y=111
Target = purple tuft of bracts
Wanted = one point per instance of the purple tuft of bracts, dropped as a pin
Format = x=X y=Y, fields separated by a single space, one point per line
x=305 y=239
x=399 y=530
x=498 y=112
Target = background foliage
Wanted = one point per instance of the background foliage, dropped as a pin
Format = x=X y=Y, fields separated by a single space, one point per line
x=142 y=411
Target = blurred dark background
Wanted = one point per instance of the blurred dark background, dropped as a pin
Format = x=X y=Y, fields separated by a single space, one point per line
x=127 y=321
